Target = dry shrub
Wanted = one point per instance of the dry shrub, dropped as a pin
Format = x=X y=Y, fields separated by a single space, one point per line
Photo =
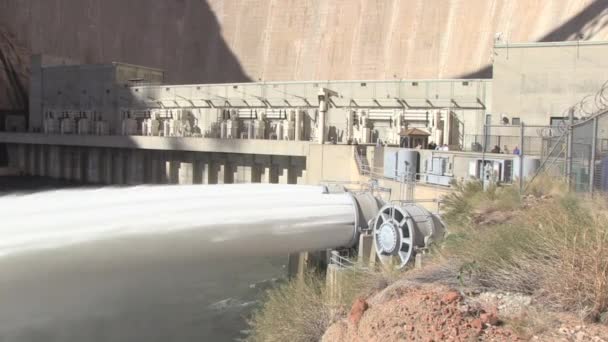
x=574 y=238
x=468 y=198
x=533 y=321
x=296 y=311
x=301 y=309
x=556 y=248
x=543 y=185
x=363 y=281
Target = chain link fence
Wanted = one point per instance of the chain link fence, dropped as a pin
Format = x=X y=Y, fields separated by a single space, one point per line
x=534 y=140
x=587 y=157
x=578 y=149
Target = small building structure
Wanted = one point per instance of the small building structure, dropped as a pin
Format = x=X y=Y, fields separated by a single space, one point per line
x=414 y=138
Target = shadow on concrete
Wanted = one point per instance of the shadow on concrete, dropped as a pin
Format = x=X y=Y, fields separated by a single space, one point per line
x=31 y=184
x=183 y=37
x=582 y=26
x=14 y=72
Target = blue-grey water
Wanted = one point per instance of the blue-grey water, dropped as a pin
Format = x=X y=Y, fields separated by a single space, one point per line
x=201 y=300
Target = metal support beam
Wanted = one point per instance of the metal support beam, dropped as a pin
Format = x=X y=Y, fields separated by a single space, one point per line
x=521 y=158
x=593 y=152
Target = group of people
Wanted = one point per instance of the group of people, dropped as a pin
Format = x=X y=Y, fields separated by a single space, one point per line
x=433 y=146
x=505 y=150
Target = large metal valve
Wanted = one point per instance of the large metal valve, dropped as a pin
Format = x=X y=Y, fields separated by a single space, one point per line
x=401 y=230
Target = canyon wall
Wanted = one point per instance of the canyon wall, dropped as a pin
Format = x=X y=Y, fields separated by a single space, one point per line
x=198 y=41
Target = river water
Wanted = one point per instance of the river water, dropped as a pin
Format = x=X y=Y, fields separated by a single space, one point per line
x=76 y=293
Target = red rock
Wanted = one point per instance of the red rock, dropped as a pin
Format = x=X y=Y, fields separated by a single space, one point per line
x=357 y=310
x=477 y=324
x=489 y=318
x=450 y=297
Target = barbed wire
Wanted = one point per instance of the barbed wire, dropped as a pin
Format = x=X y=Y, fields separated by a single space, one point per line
x=589 y=105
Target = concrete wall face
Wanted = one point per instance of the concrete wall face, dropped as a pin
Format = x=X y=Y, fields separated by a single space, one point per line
x=535 y=83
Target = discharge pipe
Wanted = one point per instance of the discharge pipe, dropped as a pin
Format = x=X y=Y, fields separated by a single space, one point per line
x=208 y=221
x=234 y=219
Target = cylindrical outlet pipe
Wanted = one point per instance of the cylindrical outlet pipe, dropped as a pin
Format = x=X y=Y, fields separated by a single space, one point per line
x=72 y=261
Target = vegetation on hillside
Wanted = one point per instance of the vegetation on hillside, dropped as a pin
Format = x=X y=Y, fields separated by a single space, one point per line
x=547 y=243
x=302 y=309
x=551 y=244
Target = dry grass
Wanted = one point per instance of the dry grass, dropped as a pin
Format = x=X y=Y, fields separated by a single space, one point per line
x=469 y=198
x=555 y=248
x=533 y=322
x=301 y=309
x=296 y=311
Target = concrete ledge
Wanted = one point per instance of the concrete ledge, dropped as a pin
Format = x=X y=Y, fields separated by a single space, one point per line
x=247 y=146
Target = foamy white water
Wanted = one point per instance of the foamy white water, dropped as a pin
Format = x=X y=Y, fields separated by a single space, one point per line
x=148 y=263
x=250 y=219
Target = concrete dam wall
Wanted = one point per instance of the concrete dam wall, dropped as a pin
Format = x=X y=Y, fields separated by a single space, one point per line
x=198 y=41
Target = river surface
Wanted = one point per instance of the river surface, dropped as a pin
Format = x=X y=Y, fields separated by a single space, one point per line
x=207 y=299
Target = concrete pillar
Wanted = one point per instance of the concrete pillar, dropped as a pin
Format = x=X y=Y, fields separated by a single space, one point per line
x=282 y=169
x=297 y=170
x=302 y=179
x=43 y=158
x=147 y=167
x=118 y=167
x=135 y=169
x=13 y=155
x=79 y=164
x=22 y=157
x=211 y=172
x=154 y=169
x=54 y=164
x=266 y=171
x=198 y=169
x=93 y=166
x=157 y=174
x=32 y=160
x=283 y=175
x=172 y=171
x=221 y=173
x=206 y=172
x=225 y=174
x=186 y=172
x=66 y=162
x=297 y=264
x=242 y=168
x=243 y=174
x=260 y=172
x=108 y=165
x=256 y=173
x=366 y=251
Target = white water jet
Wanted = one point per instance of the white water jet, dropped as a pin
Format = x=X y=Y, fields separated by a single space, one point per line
x=144 y=263
x=243 y=219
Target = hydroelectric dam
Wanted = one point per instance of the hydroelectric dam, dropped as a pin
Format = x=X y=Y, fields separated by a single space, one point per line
x=335 y=141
